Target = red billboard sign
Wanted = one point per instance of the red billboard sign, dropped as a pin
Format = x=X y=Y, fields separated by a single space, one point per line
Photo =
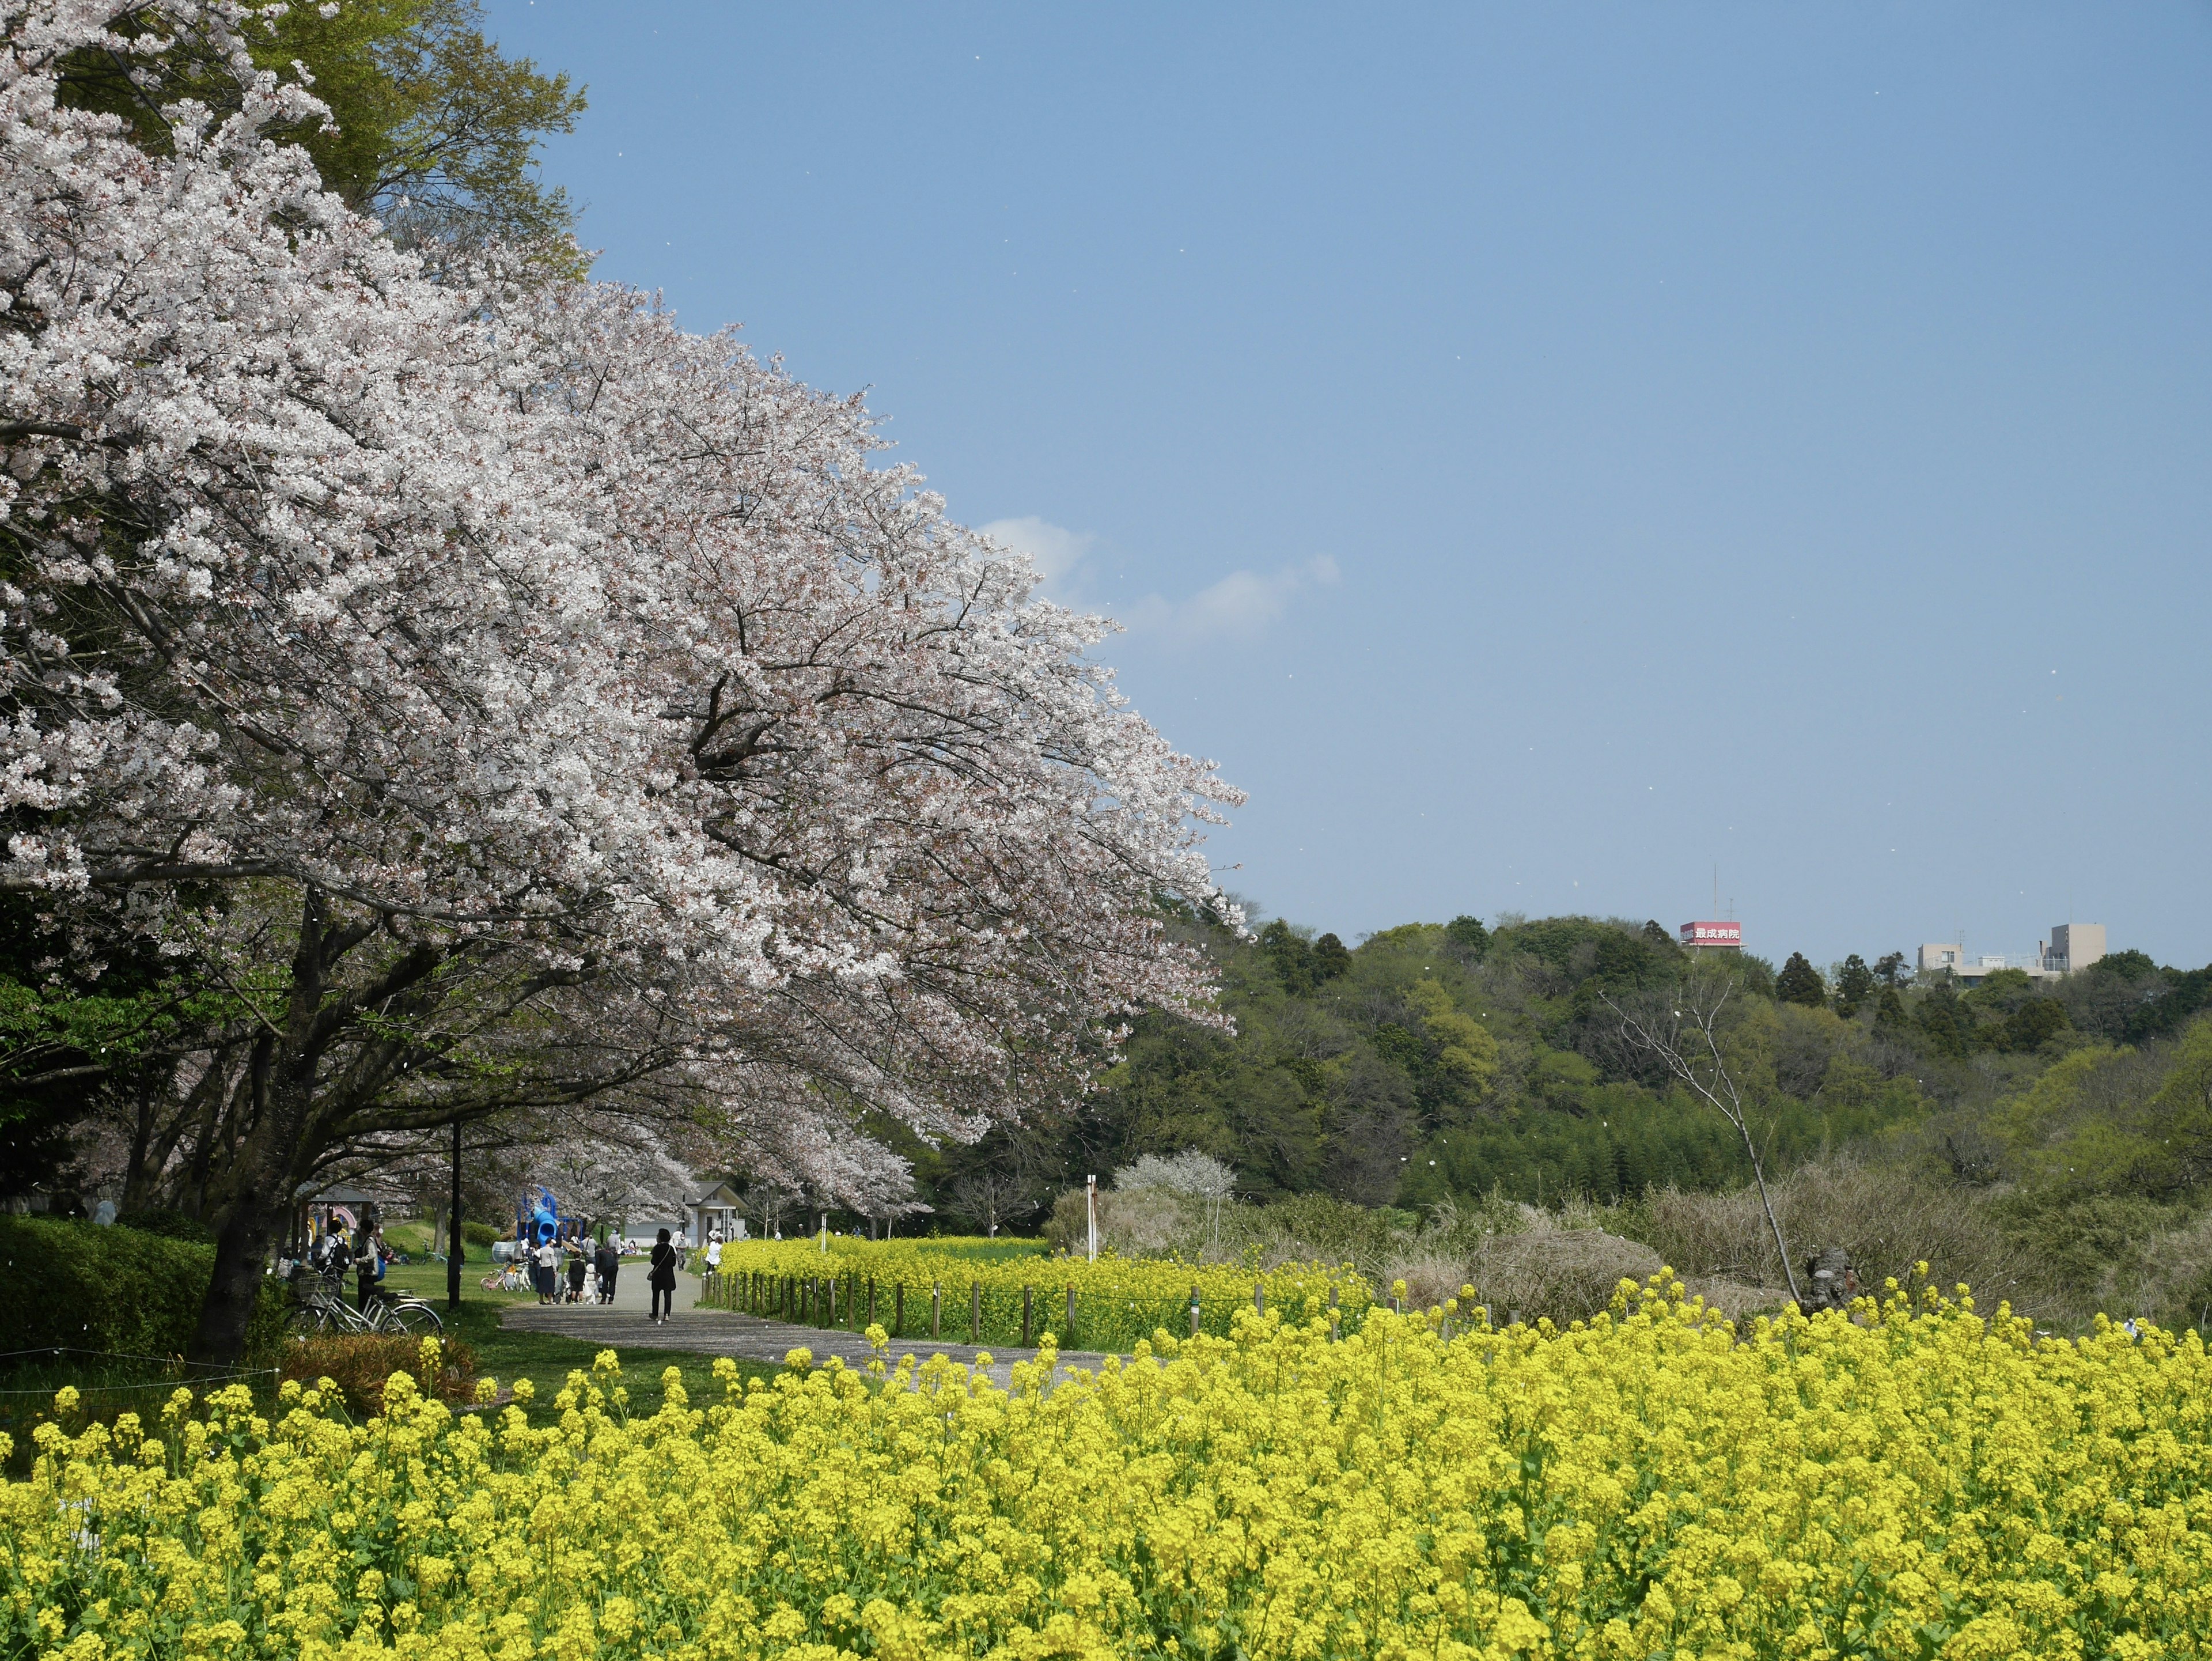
x=1712 y=934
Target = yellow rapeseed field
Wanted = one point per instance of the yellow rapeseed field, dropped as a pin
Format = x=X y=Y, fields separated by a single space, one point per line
x=1920 y=1482
x=1116 y=1301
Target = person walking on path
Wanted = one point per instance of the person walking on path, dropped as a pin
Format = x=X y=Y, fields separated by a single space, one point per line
x=662 y=1279
x=609 y=1262
x=367 y=1267
x=544 y=1260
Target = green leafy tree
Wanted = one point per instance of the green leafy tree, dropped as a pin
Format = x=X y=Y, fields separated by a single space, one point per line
x=1470 y=936
x=1889 y=968
x=1800 y=983
x=432 y=129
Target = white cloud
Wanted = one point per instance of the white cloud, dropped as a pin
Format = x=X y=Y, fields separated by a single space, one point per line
x=1054 y=550
x=1239 y=606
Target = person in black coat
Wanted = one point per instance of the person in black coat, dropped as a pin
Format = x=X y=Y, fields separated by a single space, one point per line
x=662 y=1279
x=607 y=1262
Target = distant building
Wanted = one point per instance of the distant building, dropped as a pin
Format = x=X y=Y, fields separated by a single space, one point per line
x=1934 y=959
x=1706 y=936
x=2073 y=946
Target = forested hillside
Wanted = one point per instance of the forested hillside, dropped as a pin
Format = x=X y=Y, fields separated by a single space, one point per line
x=1463 y=1060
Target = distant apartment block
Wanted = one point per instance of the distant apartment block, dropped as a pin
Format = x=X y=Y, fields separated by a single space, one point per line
x=2072 y=946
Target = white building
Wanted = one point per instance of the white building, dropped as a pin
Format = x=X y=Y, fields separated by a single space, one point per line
x=2072 y=946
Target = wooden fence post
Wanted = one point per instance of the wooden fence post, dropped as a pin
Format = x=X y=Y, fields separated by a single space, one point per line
x=871 y=1301
x=936 y=1308
x=1334 y=1331
x=975 y=1312
x=1260 y=1298
x=1026 y=1292
x=1193 y=1309
x=1069 y=1335
x=898 y=1307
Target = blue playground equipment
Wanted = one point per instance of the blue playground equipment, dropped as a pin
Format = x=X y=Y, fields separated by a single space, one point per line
x=537 y=1220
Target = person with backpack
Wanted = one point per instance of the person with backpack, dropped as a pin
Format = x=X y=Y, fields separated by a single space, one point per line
x=662 y=1279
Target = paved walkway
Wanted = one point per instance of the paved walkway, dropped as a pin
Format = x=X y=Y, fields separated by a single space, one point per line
x=625 y=1325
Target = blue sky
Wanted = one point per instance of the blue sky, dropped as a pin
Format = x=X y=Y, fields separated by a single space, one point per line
x=1541 y=452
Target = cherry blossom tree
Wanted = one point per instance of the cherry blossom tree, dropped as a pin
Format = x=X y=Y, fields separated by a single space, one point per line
x=470 y=666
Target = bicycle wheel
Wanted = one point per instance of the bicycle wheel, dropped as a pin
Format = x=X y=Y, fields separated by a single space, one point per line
x=412 y=1318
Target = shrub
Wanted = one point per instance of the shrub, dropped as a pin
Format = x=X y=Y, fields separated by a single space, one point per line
x=119 y=1291
x=361 y=1364
x=1886 y=1217
x=479 y=1234
x=169 y=1224
x=1131 y=1222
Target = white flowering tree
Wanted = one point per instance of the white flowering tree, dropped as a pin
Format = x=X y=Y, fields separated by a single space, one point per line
x=469 y=667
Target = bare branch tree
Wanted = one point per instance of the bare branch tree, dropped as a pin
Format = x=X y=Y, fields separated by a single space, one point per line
x=1679 y=1026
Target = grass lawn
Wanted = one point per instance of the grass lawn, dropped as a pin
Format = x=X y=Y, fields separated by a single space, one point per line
x=113 y=1385
x=542 y=1357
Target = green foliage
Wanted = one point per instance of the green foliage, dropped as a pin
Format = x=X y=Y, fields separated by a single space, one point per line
x=1889 y=1018
x=1470 y=936
x=1799 y=982
x=1854 y=985
x=120 y=1290
x=1890 y=1014
x=1453 y=1062
x=432 y=128
x=479 y=1234
x=2105 y=1120
x=2034 y=1024
x=1946 y=1028
x=1331 y=957
x=170 y=1225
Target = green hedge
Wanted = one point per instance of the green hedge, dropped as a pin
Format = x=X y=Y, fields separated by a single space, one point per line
x=120 y=1290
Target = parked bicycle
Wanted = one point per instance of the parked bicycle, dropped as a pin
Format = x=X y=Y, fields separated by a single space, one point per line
x=319 y=1305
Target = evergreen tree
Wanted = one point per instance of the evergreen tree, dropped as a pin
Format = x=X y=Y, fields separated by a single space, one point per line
x=1330 y=958
x=2029 y=1026
x=1800 y=983
x=1889 y=1013
x=1946 y=1025
x=1291 y=957
x=1854 y=985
